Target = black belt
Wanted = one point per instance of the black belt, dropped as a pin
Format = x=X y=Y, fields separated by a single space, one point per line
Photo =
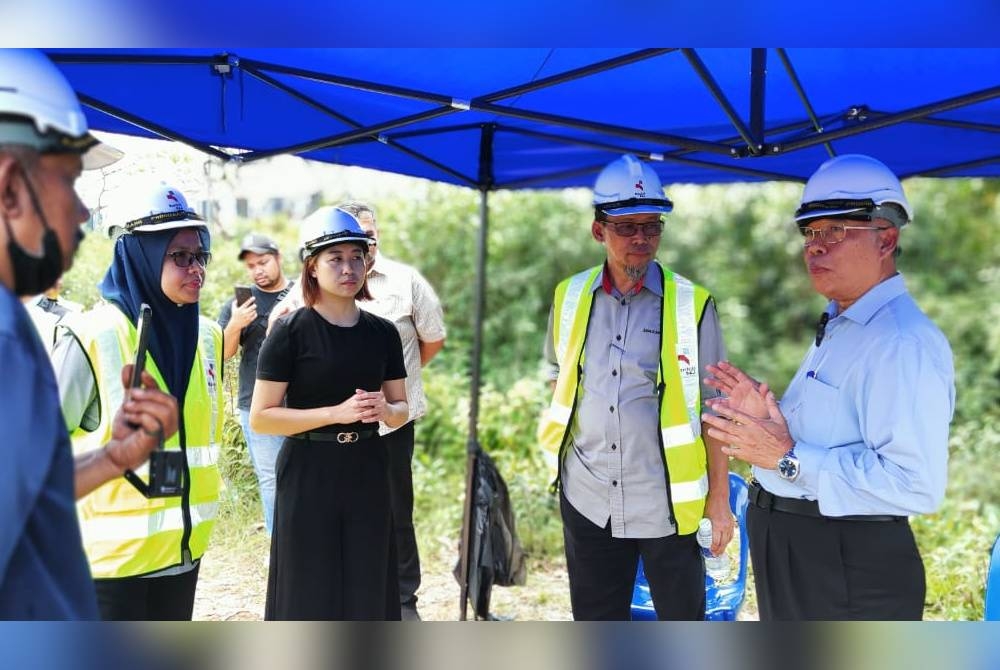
x=765 y=500
x=346 y=437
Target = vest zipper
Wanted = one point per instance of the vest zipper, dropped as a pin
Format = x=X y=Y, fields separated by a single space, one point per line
x=186 y=492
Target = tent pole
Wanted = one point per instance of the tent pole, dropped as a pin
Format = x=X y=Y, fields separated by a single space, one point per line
x=151 y=127
x=472 y=444
x=801 y=92
x=758 y=81
x=472 y=448
x=912 y=114
x=966 y=165
x=305 y=99
x=720 y=98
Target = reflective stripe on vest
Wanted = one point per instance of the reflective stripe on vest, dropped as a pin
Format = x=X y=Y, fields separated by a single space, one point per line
x=680 y=422
x=113 y=528
x=687 y=361
x=124 y=533
x=563 y=325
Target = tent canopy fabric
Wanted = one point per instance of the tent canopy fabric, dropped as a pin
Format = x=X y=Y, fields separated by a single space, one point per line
x=550 y=118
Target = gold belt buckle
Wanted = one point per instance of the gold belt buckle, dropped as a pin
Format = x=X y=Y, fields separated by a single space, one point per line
x=347 y=438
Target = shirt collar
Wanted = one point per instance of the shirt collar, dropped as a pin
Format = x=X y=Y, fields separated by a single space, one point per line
x=875 y=299
x=652 y=280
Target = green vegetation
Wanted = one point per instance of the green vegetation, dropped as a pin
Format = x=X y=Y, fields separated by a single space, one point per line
x=738 y=240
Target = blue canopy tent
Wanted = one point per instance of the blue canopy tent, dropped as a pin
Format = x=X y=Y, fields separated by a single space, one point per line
x=540 y=118
x=548 y=118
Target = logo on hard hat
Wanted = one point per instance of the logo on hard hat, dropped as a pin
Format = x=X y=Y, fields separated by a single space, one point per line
x=173 y=201
x=640 y=190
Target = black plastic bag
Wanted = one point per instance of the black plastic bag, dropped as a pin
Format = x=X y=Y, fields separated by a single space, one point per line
x=496 y=556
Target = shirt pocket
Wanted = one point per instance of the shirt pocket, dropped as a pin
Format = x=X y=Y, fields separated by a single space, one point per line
x=814 y=417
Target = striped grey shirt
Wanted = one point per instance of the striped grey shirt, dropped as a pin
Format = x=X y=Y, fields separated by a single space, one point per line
x=403 y=296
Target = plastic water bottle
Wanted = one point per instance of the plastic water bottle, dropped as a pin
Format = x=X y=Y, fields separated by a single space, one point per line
x=716 y=567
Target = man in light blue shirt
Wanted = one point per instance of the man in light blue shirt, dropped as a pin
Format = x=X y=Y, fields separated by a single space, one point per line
x=860 y=440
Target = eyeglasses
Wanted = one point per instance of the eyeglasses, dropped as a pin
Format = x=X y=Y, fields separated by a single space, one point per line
x=628 y=229
x=183 y=259
x=832 y=234
x=372 y=242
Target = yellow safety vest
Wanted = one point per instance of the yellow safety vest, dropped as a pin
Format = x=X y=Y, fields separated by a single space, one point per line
x=678 y=386
x=124 y=533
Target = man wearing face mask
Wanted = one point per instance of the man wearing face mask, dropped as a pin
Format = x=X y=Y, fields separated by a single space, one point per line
x=44 y=144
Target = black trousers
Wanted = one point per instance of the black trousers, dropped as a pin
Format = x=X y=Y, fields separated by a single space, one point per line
x=821 y=568
x=332 y=550
x=148 y=598
x=602 y=571
x=399 y=444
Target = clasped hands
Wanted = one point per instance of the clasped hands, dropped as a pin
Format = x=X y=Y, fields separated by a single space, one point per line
x=748 y=419
x=364 y=406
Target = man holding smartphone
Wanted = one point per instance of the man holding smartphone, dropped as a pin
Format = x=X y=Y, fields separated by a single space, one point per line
x=244 y=323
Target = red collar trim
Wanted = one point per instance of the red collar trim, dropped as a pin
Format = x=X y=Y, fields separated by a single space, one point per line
x=608 y=286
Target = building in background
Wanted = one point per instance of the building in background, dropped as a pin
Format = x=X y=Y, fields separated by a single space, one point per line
x=227 y=193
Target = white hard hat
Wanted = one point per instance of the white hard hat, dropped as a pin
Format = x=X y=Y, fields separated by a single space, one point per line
x=39 y=109
x=629 y=186
x=328 y=226
x=854 y=184
x=147 y=207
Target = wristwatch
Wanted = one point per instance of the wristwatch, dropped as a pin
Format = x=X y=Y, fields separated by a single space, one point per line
x=788 y=467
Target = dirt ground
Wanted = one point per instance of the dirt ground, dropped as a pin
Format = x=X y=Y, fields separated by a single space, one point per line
x=233 y=584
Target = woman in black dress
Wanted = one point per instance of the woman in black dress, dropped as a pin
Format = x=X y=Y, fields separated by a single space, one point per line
x=342 y=371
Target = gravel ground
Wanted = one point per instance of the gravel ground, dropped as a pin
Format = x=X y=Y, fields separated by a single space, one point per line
x=233 y=584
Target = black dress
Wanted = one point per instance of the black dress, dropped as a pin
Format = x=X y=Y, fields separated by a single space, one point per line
x=332 y=553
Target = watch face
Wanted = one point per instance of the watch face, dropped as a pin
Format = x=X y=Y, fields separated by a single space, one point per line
x=788 y=467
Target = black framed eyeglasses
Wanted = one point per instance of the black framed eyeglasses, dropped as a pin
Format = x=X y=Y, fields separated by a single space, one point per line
x=629 y=229
x=832 y=234
x=183 y=259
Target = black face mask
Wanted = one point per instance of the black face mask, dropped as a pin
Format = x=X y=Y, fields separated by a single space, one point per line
x=33 y=274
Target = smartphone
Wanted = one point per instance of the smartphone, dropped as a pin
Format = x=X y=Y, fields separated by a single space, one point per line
x=166 y=468
x=242 y=294
x=142 y=327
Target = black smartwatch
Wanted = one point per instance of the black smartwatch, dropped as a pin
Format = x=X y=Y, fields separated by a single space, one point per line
x=788 y=467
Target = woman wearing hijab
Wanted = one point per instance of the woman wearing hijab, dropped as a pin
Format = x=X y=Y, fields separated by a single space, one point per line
x=326 y=375
x=144 y=552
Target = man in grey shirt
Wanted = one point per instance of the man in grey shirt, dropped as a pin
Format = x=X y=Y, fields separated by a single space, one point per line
x=627 y=342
